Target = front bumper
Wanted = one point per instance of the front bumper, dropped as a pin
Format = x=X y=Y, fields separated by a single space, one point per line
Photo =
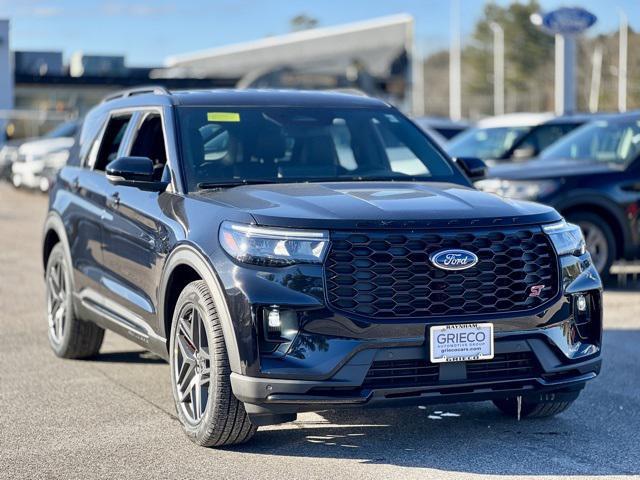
x=536 y=368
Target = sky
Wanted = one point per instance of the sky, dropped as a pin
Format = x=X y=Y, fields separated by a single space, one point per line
x=148 y=31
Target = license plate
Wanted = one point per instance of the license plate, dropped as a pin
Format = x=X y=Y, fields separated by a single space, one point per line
x=461 y=343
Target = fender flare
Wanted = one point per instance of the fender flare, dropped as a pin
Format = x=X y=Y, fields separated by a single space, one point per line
x=190 y=256
x=54 y=223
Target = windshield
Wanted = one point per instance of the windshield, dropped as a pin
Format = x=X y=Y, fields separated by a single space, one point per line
x=67 y=129
x=609 y=141
x=290 y=144
x=485 y=143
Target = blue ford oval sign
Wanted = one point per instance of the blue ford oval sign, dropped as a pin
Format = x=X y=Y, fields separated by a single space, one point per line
x=566 y=21
x=453 y=259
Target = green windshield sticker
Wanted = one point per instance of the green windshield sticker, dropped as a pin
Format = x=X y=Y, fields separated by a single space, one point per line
x=223 y=117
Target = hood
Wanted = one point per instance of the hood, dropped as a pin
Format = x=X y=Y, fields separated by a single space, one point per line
x=377 y=205
x=45 y=145
x=552 y=168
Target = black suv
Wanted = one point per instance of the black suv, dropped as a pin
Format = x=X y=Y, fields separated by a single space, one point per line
x=298 y=251
x=591 y=176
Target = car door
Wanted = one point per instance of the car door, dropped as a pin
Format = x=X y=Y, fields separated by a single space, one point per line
x=85 y=209
x=135 y=233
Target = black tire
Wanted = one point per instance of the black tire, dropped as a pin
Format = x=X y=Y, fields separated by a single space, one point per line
x=223 y=419
x=588 y=220
x=74 y=338
x=546 y=406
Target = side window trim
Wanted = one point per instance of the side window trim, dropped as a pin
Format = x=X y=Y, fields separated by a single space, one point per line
x=89 y=159
x=132 y=128
x=95 y=148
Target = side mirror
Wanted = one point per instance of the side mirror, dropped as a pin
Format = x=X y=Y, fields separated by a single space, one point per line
x=134 y=172
x=474 y=168
x=522 y=153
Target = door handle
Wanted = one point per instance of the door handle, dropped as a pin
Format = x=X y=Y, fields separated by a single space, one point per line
x=114 y=200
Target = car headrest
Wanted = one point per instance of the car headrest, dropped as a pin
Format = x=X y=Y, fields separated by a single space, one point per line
x=269 y=144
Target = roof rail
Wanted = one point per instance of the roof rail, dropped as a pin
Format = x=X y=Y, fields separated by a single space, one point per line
x=155 y=89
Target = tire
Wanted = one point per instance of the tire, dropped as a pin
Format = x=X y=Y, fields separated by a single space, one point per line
x=547 y=406
x=69 y=336
x=200 y=373
x=596 y=227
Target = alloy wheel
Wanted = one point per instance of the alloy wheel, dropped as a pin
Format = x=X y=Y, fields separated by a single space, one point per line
x=192 y=364
x=597 y=244
x=57 y=301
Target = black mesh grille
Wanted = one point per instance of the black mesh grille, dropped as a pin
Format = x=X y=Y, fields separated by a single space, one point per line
x=388 y=274
x=420 y=373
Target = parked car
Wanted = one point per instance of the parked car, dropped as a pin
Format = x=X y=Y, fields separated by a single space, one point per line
x=444 y=126
x=592 y=177
x=231 y=233
x=514 y=137
x=9 y=151
x=34 y=163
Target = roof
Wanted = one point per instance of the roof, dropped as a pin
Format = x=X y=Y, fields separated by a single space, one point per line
x=246 y=98
x=515 y=120
x=375 y=42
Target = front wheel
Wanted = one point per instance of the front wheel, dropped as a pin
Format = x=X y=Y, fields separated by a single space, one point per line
x=200 y=373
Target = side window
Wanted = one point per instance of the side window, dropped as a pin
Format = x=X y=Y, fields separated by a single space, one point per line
x=149 y=142
x=111 y=140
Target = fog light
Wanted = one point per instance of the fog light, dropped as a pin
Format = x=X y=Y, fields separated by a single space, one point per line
x=581 y=303
x=280 y=325
x=273 y=319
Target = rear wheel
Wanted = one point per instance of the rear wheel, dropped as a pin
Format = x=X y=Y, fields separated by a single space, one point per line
x=69 y=336
x=546 y=405
x=599 y=238
x=200 y=373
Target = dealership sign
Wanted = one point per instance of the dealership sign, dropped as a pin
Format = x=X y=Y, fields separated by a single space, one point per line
x=568 y=21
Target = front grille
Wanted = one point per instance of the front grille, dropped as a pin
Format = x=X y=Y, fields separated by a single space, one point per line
x=388 y=274
x=420 y=373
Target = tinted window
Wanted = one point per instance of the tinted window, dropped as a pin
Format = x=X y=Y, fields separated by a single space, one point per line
x=485 y=143
x=305 y=144
x=544 y=135
x=111 y=140
x=149 y=142
x=614 y=141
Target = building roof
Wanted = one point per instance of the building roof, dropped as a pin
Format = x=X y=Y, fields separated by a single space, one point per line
x=375 y=42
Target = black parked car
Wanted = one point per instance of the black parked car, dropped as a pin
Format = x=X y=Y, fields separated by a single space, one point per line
x=298 y=251
x=514 y=136
x=592 y=177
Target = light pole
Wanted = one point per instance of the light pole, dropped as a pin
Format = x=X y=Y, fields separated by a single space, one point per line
x=498 y=68
x=622 y=63
x=455 y=74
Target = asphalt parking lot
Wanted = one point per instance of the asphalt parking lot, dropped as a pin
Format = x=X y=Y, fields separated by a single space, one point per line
x=113 y=417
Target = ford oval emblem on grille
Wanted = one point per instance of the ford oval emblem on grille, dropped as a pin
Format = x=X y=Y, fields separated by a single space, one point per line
x=453 y=259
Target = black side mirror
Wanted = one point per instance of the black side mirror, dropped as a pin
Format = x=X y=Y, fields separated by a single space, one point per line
x=475 y=168
x=134 y=172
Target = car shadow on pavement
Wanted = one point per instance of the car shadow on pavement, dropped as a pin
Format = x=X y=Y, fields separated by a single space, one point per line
x=141 y=356
x=598 y=435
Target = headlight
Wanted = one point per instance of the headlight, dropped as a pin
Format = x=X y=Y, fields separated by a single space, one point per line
x=518 y=189
x=566 y=237
x=274 y=247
